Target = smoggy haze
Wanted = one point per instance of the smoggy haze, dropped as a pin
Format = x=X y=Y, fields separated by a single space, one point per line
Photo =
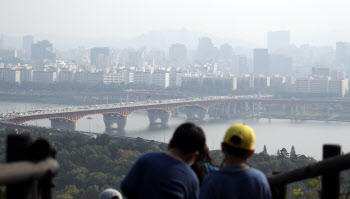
x=315 y=22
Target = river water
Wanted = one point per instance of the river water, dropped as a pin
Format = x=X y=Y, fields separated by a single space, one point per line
x=306 y=136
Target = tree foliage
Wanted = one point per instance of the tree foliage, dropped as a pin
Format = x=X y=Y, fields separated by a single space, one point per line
x=88 y=165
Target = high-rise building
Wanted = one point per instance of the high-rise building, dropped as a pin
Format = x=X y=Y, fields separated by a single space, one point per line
x=160 y=78
x=206 y=50
x=10 y=75
x=226 y=52
x=7 y=55
x=261 y=61
x=278 y=40
x=178 y=55
x=239 y=65
x=46 y=76
x=322 y=85
x=132 y=60
x=26 y=74
x=342 y=55
x=280 y=64
x=1 y=41
x=43 y=50
x=100 y=57
x=242 y=65
x=142 y=77
x=156 y=57
x=136 y=59
x=28 y=41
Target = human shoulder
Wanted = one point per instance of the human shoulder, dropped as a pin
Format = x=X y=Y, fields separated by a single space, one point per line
x=149 y=156
x=152 y=154
x=256 y=172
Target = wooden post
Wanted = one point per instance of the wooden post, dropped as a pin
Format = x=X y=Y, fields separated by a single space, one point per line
x=278 y=192
x=330 y=181
x=22 y=148
x=17 y=146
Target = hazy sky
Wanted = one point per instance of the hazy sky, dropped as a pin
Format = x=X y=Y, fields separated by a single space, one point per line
x=309 y=21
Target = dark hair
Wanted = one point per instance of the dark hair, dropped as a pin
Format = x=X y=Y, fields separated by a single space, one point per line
x=234 y=151
x=203 y=157
x=115 y=197
x=188 y=138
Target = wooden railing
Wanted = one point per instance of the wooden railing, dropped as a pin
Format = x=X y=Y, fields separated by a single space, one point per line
x=29 y=168
x=328 y=168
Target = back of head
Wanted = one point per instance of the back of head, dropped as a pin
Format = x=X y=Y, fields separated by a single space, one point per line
x=188 y=138
x=110 y=194
x=239 y=140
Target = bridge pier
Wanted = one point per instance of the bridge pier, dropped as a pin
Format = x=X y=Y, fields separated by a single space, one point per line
x=155 y=114
x=61 y=123
x=111 y=119
x=195 y=112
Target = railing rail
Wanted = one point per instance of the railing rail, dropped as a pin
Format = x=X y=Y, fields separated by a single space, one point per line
x=26 y=171
x=329 y=168
x=29 y=168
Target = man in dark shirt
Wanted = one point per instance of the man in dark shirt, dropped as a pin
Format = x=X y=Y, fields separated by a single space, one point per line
x=236 y=180
x=168 y=175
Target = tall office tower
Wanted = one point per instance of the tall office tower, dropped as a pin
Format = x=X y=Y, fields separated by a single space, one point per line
x=206 y=50
x=100 y=57
x=278 y=40
x=261 y=61
x=280 y=64
x=242 y=65
x=342 y=55
x=27 y=41
x=132 y=60
x=226 y=52
x=136 y=59
x=43 y=50
x=239 y=65
x=177 y=55
x=156 y=57
x=1 y=41
x=141 y=61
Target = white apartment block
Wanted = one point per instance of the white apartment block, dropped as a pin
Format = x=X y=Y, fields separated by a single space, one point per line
x=175 y=79
x=338 y=87
x=192 y=82
x=44 y=76
x=10 y=75
x=66 y=75
x=261 y=82
x=89 y=77
x=26 y=75
x=220 y=82
x=141 y=77
x=303 y=85
x=161 y=78
x=319 y=85
x=192 y=74
x=128 y=77
x=322 y=86
x=277 y=81
x=245 y=82
x=116 y=77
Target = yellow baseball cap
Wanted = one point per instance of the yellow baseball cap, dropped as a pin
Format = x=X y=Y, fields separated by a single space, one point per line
x=240 y=136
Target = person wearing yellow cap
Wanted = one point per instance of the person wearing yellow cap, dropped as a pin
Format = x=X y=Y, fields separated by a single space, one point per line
x=236 y=180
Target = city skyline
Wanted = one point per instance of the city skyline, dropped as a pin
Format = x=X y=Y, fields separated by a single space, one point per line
x=311 y=22
x=149 y=40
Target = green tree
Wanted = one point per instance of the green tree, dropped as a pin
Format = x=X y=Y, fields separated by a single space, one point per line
x=293 y=155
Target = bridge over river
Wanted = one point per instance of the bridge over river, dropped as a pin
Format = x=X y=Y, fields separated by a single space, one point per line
x=159 y=111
